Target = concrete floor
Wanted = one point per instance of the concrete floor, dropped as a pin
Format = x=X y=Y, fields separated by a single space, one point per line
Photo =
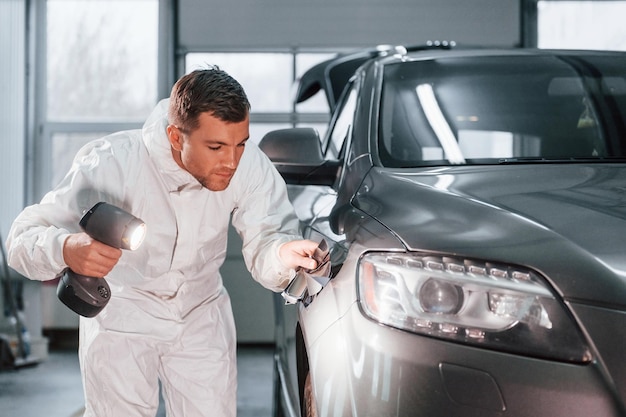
x=53 y=387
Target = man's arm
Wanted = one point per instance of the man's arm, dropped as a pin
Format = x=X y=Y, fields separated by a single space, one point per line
x=265 y=219
x=37 y=243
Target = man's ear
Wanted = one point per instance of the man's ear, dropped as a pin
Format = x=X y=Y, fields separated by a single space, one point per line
x=175 y=137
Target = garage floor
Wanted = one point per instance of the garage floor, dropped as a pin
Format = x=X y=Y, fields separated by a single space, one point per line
x=53 y=388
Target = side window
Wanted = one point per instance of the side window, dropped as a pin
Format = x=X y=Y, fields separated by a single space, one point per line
x=341 y=125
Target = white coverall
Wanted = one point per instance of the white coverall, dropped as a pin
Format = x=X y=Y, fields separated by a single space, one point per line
x=169 y=316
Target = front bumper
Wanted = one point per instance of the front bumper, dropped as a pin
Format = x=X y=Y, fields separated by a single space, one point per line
x=361 y=368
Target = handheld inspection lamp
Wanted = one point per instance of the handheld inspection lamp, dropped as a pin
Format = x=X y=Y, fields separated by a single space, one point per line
x=112 y=226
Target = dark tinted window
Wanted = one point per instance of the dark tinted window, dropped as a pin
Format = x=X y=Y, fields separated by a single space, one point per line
x=485 y=110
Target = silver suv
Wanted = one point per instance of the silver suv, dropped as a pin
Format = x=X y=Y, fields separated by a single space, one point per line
x=474 y=204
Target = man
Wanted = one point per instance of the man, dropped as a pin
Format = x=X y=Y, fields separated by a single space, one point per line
x=186 y=174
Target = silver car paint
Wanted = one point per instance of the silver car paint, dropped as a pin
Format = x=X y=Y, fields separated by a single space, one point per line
x=507 y=213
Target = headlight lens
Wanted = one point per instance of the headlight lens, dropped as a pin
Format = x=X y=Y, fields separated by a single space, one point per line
x=494 y=306
x=437 y=296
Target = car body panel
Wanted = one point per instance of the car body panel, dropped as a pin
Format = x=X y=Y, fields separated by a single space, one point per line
x=609 y=341
x=511 y=211
x=397 y=374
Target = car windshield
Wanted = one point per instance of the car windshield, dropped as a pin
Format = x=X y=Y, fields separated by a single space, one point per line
x=501 y=109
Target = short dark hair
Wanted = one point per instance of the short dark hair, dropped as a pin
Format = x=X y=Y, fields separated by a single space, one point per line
x=207 y=90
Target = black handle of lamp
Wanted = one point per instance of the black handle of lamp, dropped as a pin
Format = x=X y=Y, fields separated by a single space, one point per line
x=84 y=295
x=112 y=226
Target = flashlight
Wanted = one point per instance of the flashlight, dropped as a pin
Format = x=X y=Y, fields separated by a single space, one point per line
x=112 y=226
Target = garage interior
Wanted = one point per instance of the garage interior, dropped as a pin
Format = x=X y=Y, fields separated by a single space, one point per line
x=75 y=70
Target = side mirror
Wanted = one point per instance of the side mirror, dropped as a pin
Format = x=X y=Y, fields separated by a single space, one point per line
x=297 y=155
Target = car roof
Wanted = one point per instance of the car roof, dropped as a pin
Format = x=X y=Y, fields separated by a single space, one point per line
x=332 y=75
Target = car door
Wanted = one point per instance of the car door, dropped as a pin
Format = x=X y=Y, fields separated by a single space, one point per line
x=313 y=205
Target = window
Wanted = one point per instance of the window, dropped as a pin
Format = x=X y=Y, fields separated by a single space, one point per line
x=483 y=110
x=269 y=79
x=99 y=75
x=266 y=77
x=581 y=24
x=101 y=59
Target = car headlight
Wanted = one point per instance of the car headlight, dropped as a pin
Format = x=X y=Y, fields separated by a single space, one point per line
x=494 y=306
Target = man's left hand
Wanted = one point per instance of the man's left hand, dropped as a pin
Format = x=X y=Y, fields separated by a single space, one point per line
x=298 y=254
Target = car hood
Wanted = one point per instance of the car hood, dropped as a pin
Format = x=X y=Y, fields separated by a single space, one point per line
x=567 y=221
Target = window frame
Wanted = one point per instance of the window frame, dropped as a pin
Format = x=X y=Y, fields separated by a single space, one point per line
x=39 y=165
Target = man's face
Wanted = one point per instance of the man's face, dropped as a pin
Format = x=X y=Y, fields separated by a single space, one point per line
x=211 y=153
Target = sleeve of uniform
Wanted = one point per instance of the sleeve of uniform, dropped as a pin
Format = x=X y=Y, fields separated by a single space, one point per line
x=264 y=218
x=36 y=237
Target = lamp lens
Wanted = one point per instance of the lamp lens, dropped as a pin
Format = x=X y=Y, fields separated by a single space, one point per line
x=136 y=236
x=441 y=297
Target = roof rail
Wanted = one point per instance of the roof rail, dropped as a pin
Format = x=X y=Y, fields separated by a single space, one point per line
x=382 y=50
x=432 y=45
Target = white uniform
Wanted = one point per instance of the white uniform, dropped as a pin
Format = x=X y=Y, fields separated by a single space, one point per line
x=169 y=316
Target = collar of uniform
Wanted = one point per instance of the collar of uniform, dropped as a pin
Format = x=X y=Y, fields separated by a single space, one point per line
x=158 y=145
x=180 y=180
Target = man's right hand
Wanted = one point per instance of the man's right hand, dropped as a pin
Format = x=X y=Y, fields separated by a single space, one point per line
x=87 y=256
